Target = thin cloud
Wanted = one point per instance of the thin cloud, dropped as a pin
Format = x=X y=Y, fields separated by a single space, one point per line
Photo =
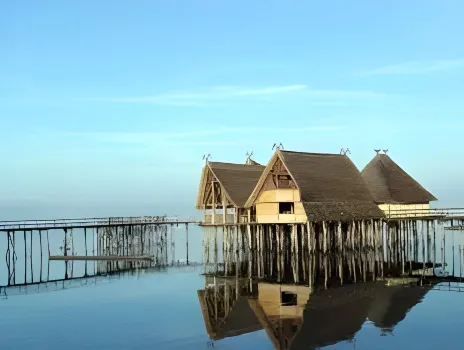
x=344 y=94
x=417 y=67
x=220 y=94
x=202 y=98
x=194 y=137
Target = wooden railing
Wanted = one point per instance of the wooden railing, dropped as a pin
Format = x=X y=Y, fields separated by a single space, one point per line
x=425 y=213
x=90 y=222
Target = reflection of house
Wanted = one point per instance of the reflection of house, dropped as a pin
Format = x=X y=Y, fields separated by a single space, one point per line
x=394 y=190
x=335 y=315
x=294 y=319
x=392 y=305
x=279 y=308
x=296 y=187
x=226 y=185
x=225 y=308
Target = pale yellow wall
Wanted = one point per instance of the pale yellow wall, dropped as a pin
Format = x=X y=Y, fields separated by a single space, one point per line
x=267 y=207
x=269 y=299
x=280 y=195
x=405 y=210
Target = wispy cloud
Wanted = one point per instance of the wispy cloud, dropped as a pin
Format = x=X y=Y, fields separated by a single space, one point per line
x=417 y=67
x=207 y=96
x=221 y=94
x=194 y=138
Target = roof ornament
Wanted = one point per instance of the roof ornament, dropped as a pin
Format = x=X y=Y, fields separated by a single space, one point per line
x=345 y=151
x=377 y=151
x=206 y=158
x=249 y=161
x=385 y=151
x=278 y=146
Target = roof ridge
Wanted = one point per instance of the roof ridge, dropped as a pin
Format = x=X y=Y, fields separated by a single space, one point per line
x=312 y=153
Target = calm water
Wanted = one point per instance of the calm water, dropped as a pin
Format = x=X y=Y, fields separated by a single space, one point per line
x=179 y=308
x=161 y=310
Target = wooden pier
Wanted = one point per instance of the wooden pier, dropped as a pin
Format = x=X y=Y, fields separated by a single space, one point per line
x=62 y=224
x=110 y=244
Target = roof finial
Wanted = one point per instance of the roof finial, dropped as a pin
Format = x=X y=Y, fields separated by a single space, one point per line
x=385 y=151
x=345 y=151
x=377 y=151
x=249 y=161
x=206 y=158
x=278 y=146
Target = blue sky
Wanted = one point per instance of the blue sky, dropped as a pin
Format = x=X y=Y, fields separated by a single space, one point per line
x=107 y=108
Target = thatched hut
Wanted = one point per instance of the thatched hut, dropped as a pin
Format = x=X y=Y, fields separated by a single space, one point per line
x=297 y=187
x=394 y=190
x=224 y=189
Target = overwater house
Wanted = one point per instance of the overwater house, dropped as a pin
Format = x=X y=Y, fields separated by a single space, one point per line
x=297 y=187
x=394 y=190
x=224 y=189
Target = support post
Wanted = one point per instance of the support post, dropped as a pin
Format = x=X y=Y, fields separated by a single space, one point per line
x=187 y=242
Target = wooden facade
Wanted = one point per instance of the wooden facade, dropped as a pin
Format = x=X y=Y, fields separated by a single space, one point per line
x=224 y=189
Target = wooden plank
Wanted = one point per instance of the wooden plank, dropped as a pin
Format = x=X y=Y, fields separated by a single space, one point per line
x=100 y=258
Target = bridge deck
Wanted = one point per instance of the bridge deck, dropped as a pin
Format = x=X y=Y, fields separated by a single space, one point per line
x=36 y=225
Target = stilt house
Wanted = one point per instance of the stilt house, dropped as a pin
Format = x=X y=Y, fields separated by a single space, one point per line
x=394 y=190
x=224 y=189
x=297 y=187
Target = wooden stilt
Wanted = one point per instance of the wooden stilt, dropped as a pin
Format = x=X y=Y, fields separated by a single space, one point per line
x=187 y=243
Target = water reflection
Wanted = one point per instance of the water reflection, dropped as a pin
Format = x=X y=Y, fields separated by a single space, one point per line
x=309 y=298
x=298 y=317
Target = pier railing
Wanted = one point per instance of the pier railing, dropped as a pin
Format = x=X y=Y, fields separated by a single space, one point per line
x=445 y=213
x=92 y=222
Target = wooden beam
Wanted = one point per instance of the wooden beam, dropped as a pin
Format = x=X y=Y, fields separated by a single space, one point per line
x=224 y=209
x=100 y=258
x=213 y=218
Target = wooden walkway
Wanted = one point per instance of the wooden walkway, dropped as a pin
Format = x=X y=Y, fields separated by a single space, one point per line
x=64 y=224
x=426 y=214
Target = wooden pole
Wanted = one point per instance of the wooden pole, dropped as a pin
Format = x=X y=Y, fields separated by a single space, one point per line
x=213 y=218
x=85 y=243
x=48 y=267
x=32 y=269
x=187 y=242
x=224 y=209
x=25 y=258
x=41 y=254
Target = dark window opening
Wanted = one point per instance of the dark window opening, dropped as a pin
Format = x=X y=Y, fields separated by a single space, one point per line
x=286 y=208
x=288 y=299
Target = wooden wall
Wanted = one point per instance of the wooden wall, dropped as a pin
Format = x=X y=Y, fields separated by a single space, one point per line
x=405 y=210
x=267 y=206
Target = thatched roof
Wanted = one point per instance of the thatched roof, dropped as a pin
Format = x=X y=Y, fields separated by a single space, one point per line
x=237 y=180
x=388 y=183
x=341 y=211
x=252 y=162
x=330 y=186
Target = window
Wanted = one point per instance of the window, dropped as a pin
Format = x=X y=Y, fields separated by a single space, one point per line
x=286 y=208
x=288 y=299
